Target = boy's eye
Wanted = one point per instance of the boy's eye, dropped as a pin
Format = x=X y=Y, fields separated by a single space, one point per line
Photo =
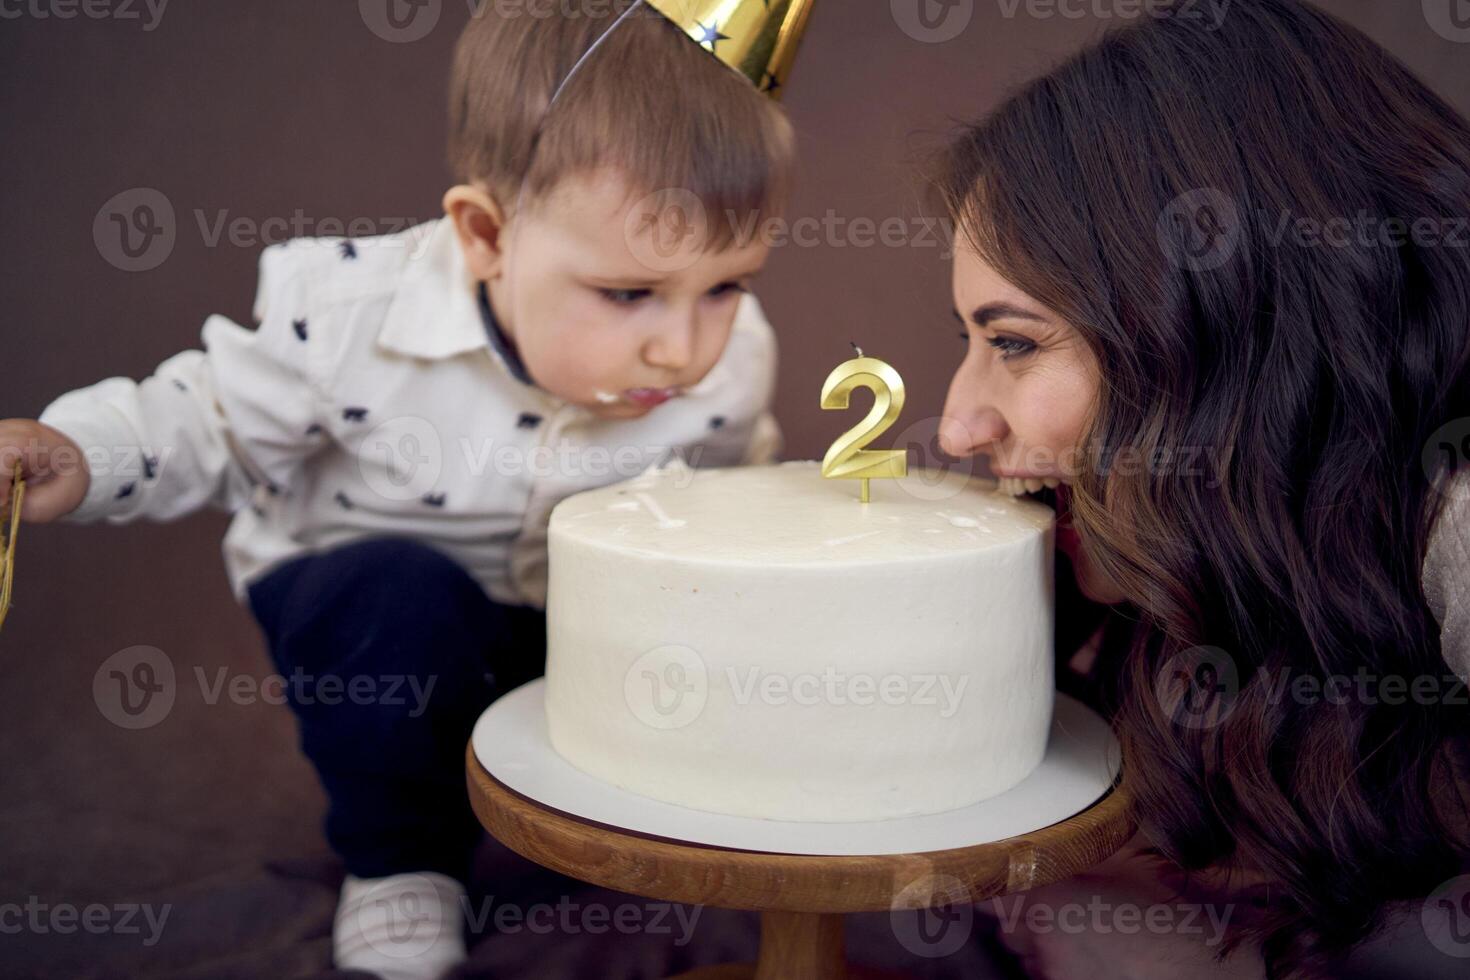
x=623 y=297
x=727 y=289
x=627 y=297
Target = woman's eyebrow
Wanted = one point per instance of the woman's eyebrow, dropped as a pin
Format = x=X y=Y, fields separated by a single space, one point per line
x=982 y=316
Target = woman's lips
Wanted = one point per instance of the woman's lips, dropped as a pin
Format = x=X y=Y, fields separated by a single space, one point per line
x=649 y=397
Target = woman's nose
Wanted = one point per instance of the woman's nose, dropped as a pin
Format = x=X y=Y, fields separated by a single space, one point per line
x=963 y=431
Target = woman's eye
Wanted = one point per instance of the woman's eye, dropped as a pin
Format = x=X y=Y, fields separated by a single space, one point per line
x=1010 y=347
x=623 y=297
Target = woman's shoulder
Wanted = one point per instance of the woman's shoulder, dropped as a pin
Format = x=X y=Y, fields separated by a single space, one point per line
x=1446 y=572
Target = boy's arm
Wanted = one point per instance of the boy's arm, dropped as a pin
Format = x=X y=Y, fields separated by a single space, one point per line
x=206 y=422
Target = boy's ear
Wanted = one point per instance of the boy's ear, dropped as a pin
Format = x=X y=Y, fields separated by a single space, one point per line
x=480 y=223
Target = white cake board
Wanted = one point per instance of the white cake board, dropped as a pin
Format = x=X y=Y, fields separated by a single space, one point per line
x=1082 y=760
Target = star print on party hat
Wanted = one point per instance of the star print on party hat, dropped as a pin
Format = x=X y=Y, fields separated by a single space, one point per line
x=758 y=38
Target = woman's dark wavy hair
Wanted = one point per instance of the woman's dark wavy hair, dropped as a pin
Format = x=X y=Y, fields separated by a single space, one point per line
x=1158 y=191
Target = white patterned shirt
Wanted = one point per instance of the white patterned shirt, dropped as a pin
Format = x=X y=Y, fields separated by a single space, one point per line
x=377 y=398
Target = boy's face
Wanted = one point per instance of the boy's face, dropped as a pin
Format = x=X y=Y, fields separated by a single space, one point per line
x=611 y=303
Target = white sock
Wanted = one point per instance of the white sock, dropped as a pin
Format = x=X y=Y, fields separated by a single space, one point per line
x=402 y=927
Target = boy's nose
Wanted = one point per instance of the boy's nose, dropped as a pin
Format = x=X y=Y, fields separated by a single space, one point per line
x=672 y=346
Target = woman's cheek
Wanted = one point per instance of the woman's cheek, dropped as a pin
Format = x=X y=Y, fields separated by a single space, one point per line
x=1059 y=400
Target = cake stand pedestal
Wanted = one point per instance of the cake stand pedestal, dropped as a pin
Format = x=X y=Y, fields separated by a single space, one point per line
x=802 y=898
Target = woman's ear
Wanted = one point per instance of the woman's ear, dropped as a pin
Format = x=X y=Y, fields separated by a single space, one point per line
x=480 y=224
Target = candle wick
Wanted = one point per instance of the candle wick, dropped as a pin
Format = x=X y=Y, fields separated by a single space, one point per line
x=856 y=348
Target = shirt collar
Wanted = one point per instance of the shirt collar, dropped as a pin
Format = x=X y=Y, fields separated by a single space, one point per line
x=435 y=312
x=502 y=344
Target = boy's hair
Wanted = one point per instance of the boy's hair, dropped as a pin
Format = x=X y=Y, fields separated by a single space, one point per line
x=648 y=103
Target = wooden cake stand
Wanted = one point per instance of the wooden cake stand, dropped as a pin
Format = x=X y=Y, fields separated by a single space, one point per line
x=802 y=898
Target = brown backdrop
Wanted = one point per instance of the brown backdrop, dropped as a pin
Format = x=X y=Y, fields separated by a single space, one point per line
x=255 y=110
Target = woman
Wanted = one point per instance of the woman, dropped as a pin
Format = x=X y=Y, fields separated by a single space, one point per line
x=1217 y=282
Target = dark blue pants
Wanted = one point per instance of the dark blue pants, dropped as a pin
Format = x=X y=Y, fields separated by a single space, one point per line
x=390 y=651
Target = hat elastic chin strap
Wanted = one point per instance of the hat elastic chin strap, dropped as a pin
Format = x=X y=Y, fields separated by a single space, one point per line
x=513 y=217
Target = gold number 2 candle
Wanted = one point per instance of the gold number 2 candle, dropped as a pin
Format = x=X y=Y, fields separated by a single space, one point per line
x=846 y=459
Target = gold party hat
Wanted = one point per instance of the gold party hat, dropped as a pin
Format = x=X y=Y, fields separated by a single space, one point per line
x=758 y=38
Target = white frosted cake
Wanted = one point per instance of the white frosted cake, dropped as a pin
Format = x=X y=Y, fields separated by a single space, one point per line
x=755 y=641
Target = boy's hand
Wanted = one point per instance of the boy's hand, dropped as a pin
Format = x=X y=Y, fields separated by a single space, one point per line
x=53 y=466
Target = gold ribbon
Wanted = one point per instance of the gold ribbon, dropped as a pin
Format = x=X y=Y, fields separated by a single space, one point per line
x=9 y=530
